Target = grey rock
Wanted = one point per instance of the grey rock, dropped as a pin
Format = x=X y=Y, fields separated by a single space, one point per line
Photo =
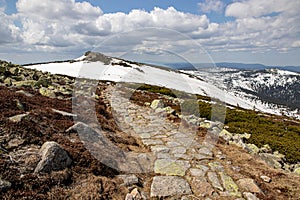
x=201 y=187
x=150 y=142
x=24 y=93
x=129 y=180
x=178 y=150
x=216 y=166
x=171 y=167
x=271 y=159
x=250 y=196
x=265 y=179
x=160 y=149
x=4 y=185
x=213 y=178
x=265 y=149
x=164 y=186
x=54 y=158
x=205 y=151
x=202 y=157
x=18 y=118
x=63 y=113
x=252 y=148
x=249 y=185
x=198 y=172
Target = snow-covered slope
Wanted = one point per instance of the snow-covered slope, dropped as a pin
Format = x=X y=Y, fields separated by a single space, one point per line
x=270 y=89
x=101 y=67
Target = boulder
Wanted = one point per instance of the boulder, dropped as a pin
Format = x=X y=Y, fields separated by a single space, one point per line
x=54 y=158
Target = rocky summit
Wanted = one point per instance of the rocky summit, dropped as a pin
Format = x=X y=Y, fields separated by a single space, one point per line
x=62 y=138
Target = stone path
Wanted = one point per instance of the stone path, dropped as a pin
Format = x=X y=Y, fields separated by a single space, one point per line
x=185 y=167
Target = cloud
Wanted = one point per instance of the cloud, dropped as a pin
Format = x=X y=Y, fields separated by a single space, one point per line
x=8 y=31
x=70 y=26
x=257 y=8
x=211 y=6
x=58 y=9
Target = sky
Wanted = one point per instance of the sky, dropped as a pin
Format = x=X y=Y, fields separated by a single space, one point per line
x=159 y=31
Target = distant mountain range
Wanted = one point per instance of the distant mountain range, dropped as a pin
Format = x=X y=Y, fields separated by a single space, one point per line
x=189 y=66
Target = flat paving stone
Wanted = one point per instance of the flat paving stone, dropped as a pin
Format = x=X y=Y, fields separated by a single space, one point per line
x=171 y=167
x=229 y=185
x=173 y=144
x=197 y=172
x=150 y=142
x=202 y=157
x=201 y=187
x=164 y=186
x=205 y=151
x=213 y=178
x=160 y=149
x=178 y=150
x=216 y=166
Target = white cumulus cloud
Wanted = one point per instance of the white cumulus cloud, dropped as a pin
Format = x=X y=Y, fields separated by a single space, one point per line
x=211 y=5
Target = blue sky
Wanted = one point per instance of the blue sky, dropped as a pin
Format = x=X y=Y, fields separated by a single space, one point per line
x=250 y=31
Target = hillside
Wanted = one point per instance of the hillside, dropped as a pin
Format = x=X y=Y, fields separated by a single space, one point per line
x=67 y=138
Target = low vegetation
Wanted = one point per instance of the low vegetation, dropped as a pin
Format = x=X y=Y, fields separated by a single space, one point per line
x=282 y=134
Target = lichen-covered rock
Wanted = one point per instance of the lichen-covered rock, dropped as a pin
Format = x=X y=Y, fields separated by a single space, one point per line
x=252 y=148
x=226 y=135
x=271 y=159
x=157 y=103
x=8 y=81
x=297 y=170
x=171 y=167
x=54 y=158
x=47 y=92
x=27 y=83
x=230 y=186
